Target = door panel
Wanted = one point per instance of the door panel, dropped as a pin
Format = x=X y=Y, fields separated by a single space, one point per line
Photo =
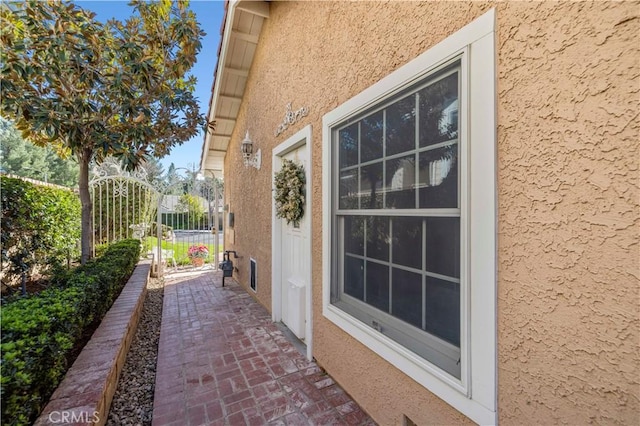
x=295 y=263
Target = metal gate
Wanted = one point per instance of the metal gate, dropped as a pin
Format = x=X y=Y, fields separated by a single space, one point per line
x=177 y=220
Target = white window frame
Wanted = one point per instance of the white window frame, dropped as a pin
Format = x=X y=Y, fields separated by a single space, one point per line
x=475 y=393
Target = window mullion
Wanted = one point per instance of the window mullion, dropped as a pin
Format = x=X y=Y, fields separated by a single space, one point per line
x=365 y=225
x=390 y=272
x=335 y=179
x=340 y=253
x=436 y=145
x=416 y=156
x=384 y=158
x=432 y=212
x=359 y=168
x=424 y=277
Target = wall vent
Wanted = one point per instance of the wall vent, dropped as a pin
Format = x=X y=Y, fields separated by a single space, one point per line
x=406 y=421
x=254 y=273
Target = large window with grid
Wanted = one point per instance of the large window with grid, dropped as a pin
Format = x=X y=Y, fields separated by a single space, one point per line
x=397 y=218
x=409 y=224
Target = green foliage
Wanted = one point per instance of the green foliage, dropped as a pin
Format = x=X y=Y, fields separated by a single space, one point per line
x=40 y=225
x=181 y=249
x=178 y=184
x=290 y=192
x=154 y=169
x=97 y=89
x=116 y=87
x=39 y=332
x=192 y=206
x=22 y=158
x=184 y=220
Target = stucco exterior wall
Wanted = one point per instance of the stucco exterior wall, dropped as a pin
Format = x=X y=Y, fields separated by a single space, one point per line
x=568 y=217
x=568 y=93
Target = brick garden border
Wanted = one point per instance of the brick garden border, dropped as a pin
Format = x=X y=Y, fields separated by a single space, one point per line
x=85 y=394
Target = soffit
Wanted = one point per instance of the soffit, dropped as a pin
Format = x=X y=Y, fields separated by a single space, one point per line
x=241 y=30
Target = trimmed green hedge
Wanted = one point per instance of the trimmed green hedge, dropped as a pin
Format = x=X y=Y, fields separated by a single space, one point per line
x=38 y=332
x=40 y=225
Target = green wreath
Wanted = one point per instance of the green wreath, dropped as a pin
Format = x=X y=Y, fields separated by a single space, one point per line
x=289 y=192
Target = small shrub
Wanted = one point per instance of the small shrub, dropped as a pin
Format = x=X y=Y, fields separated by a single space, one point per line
x=40 y=226
x=39 y=332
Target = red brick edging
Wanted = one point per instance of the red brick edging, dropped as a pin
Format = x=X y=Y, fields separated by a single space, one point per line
x=85 y=394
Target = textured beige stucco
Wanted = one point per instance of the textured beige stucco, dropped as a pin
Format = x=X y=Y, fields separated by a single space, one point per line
x=568 y=93
x=568 y=217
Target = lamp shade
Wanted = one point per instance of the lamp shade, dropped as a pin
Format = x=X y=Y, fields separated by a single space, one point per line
x=247 y=146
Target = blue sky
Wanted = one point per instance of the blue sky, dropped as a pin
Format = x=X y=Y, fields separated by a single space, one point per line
x=209 y=14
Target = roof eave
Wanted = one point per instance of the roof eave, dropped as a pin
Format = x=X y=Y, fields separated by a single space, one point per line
x=233 y=63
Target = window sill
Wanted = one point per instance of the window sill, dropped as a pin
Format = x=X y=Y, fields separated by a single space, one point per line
x=432 y=378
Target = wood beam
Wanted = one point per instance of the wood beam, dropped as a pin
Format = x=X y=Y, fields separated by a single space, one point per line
x=230 y=98
x=259 y=8
x=225 y=120
x=249 y=38
x=237 y=71
x=220 y=135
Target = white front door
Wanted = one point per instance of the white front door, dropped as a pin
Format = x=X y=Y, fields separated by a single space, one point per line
x=295 y=259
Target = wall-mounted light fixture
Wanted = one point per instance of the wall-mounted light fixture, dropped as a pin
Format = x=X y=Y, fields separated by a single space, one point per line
x=250 y=159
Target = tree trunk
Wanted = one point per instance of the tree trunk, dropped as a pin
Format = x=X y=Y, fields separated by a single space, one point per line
x=86 y=241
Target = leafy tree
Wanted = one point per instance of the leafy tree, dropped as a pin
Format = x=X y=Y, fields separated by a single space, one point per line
x=172 y=178
x=178 y=183
x=192 y=206
x=98 y=89
x=209 y=185
x=21 y=157
x=63 y=171
x=154 y=169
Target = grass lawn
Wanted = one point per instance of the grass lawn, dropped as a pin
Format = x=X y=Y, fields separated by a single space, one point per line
x=180 y=249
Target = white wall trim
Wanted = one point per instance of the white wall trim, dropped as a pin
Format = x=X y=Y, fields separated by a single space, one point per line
x=302 y=137
x=475 y=395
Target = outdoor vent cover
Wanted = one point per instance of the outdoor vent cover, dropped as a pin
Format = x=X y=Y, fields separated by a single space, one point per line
x=406 y=421
x=252 y=278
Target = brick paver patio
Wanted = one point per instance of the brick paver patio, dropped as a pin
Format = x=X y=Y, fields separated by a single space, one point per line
x=221 y=361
